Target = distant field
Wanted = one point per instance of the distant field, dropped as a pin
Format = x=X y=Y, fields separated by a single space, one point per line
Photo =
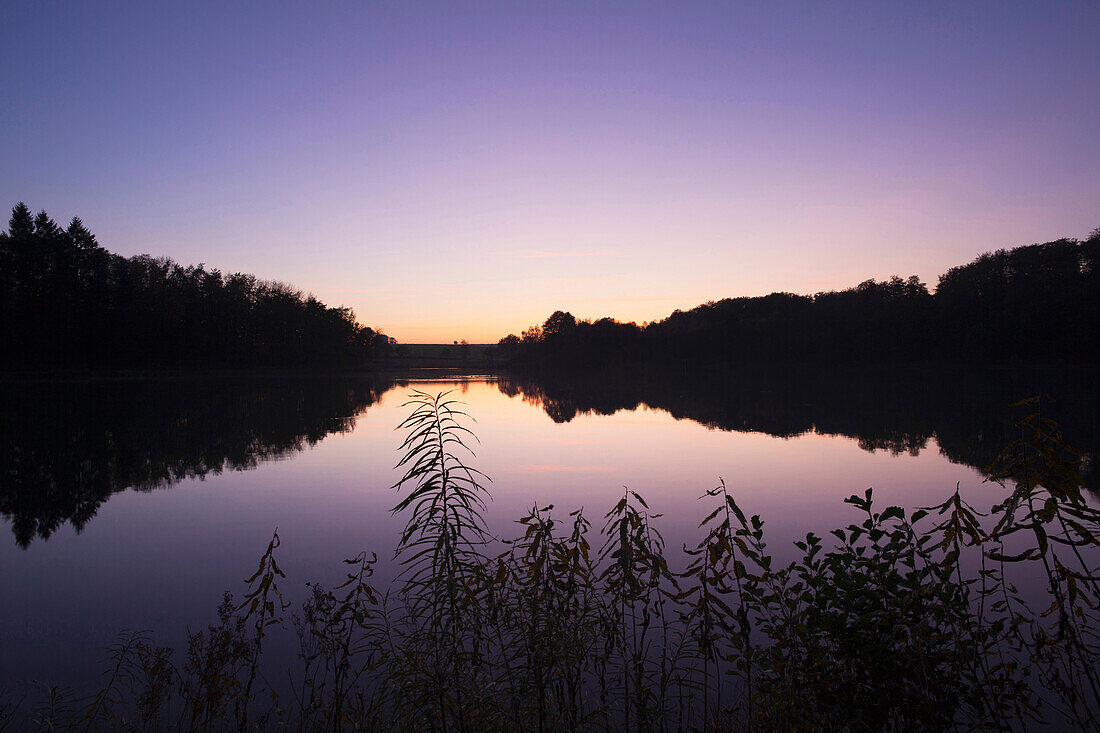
x=441 y=355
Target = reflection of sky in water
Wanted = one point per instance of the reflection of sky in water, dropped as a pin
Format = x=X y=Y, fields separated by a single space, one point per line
x=160 y=560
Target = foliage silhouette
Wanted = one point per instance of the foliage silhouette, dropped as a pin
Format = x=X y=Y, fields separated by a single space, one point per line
x=67 y=302
x=1032 y=304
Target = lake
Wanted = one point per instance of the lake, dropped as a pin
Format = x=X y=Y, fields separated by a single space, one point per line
x=133 y=503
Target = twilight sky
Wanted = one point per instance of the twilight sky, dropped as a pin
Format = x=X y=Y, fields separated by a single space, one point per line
x=462 y=169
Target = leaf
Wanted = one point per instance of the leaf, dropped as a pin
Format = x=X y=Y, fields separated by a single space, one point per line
x=710 y=516
x=1001 y=557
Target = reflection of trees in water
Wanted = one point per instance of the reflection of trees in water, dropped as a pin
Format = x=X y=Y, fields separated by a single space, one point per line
x=67 y=448
x=966 y=410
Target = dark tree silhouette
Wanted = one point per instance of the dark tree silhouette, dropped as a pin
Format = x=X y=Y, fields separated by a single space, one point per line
x=1034 y=304
x=69 y=302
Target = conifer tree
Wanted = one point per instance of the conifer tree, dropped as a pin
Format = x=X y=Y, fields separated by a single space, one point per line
x=80 y=236
x=21 y=225
x=45 y=227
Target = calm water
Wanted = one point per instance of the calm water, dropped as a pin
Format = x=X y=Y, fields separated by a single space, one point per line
x=134 y=504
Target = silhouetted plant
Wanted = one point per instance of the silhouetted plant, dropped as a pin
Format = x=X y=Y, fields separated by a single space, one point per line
x=1050 y=523
x=441 y=547
x=8 y=709
x=265 y=606
x=339 y=642
x=210 y=683
x=57 y=710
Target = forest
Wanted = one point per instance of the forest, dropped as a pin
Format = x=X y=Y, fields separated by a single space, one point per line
x=68 y=302
x=1033 y=304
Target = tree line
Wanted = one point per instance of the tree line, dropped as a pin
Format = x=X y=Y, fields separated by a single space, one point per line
x=68 y=302
x=1038 y=304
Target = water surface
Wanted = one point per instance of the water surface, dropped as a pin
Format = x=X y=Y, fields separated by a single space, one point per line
x=133 y=504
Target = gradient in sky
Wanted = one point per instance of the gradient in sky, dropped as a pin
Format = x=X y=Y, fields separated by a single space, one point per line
x=461 y=170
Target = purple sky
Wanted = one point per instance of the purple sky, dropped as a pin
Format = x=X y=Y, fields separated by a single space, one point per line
x=460 y=170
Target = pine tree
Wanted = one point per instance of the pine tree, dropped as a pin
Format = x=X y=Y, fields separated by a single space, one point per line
x=45 y=227
x=80 y=236
x=21 y=225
